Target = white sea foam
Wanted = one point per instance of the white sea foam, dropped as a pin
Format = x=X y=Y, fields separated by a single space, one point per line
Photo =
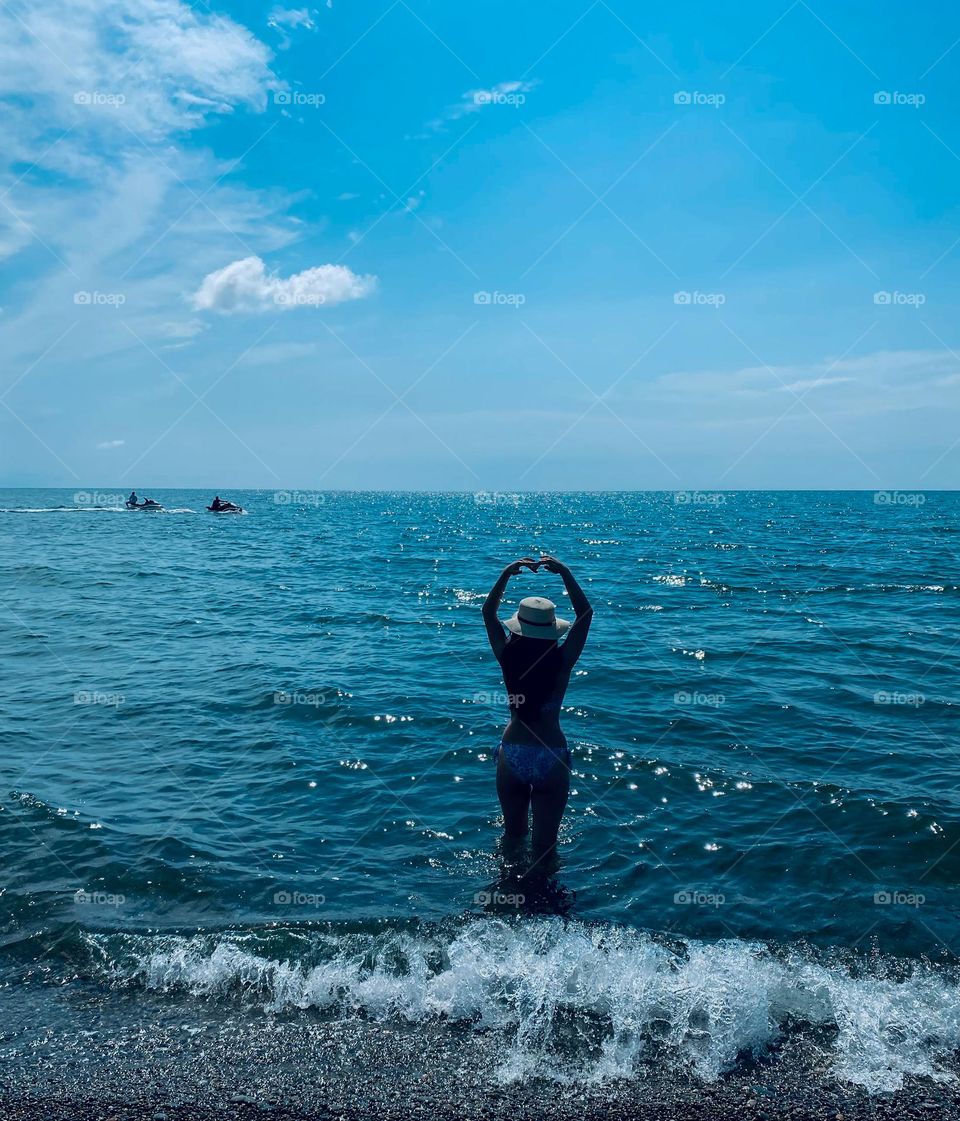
x=630 y=996
x=90 y=510
x=63 y=510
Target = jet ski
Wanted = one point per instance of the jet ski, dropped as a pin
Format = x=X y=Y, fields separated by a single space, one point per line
x=146 y=504
x=227 y=508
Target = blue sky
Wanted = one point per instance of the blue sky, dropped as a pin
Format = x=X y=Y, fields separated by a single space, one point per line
x=488 y=247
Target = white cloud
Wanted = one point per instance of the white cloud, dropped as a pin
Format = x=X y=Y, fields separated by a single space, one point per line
x=187 y=330
x=503 y=93
x=123 y=69
x=805 y=384
x=347 y=196
x=14 y=233
x=291 y=17
x=279 y=355
x=880 y=382
x=111 y=444
x=142 y=233
x=285 y=20
x=115 y=197
x=511 y=93
x=245 y=285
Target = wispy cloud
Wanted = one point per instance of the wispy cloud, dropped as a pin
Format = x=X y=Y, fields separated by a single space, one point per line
x=105 y=186
x=805 y=384
x=882 y=381
x=286 y=20
x=246 y=285
x=513 y=93
x=282 y=356
x=121 y=69
x=111 y=444
x=187 y=330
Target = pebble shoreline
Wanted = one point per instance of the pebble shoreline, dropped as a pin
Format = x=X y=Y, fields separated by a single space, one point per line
x=303 y=1069
x=650 y=1104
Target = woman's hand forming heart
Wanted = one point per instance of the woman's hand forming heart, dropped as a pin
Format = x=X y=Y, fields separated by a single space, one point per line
x=551 y=564
x=519 y=565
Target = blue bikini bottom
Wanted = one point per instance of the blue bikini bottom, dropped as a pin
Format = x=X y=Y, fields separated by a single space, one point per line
x=532 y=763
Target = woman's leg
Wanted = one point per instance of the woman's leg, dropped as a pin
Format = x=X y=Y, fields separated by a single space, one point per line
x=514 y=798
x=549 y=801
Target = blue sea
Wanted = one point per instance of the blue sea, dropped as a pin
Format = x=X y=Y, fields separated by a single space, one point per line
x=247 y=765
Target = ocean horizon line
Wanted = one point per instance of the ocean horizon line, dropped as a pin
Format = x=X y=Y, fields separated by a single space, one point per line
x=293 y=488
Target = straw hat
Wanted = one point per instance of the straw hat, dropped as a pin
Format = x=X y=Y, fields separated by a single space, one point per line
x=536 y=617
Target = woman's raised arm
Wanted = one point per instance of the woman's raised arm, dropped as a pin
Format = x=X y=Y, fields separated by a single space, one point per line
x=572 y=645
x=492 y=604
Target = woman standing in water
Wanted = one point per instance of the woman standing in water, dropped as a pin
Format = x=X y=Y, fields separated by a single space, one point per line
x=533 y=760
